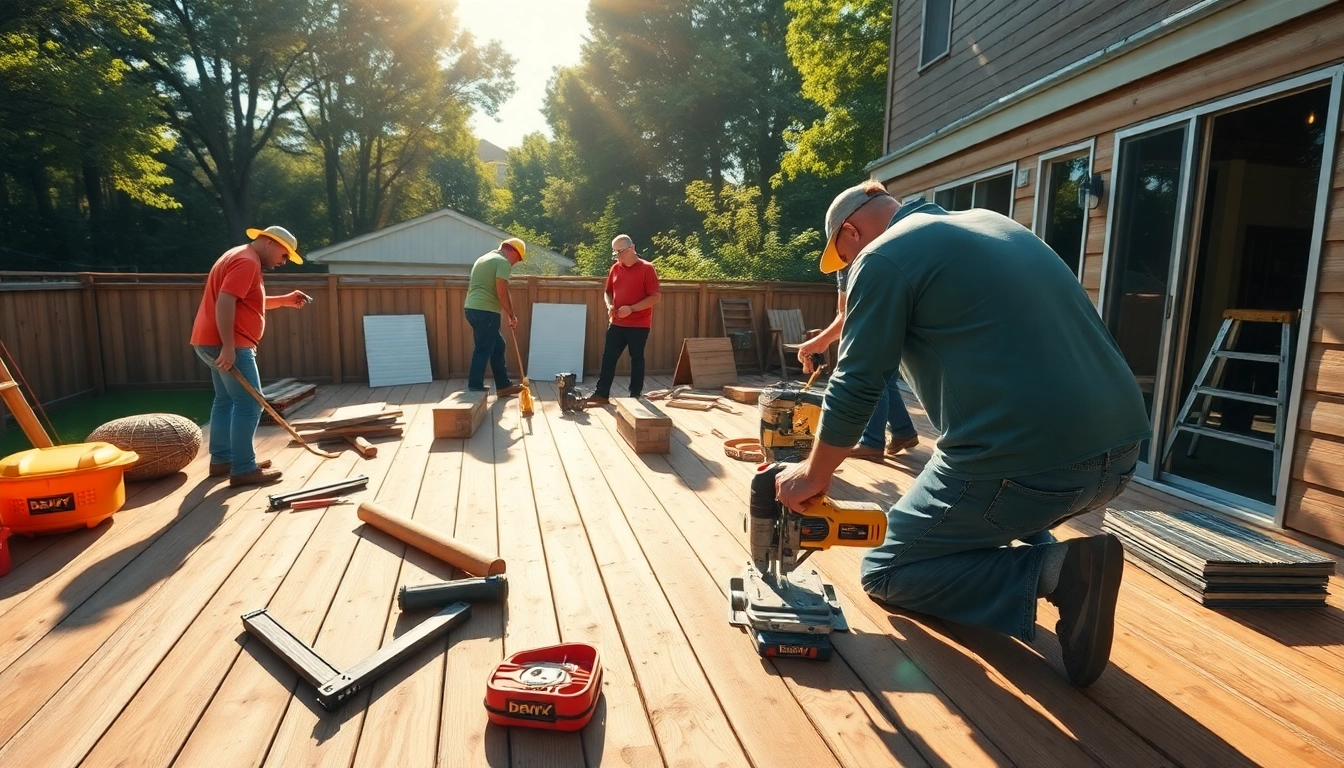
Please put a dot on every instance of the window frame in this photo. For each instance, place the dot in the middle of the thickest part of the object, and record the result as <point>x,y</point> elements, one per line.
<point>1009,169</point>
<point>1042,189</point>
<point>947,45</point>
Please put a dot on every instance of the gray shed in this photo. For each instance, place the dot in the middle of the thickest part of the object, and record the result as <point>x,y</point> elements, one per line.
<point>444,242</point>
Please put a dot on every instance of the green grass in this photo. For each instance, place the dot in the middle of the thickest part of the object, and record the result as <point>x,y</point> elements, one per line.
<point>74,422</point>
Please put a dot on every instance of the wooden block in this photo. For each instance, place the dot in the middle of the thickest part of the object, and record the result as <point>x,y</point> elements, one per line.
<point>691,405</point>
<point>644,427</point>
<point>748,395</point>
<point>459,414</point>
<point>706,363</point>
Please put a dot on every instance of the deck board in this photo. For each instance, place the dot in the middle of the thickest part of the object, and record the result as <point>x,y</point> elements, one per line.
<point>124,646</point>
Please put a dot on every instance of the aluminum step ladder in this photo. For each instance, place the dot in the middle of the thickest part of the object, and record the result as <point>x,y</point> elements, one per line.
<point>1208,386</point>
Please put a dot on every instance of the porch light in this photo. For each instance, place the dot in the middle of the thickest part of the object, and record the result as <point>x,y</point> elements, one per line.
<point>1090,192</point>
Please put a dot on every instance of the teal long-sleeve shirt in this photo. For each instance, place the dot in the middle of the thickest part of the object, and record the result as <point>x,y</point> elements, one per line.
<point>995,336</point>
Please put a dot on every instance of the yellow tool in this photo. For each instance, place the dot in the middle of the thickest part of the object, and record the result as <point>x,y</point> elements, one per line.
<point>792,612</point>
<point>524,397</point>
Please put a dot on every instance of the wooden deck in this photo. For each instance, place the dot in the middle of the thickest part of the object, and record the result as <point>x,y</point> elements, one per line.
<point>122,645</point>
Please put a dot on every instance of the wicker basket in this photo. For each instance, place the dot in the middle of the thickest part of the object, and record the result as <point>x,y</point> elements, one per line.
<point>166,442</point>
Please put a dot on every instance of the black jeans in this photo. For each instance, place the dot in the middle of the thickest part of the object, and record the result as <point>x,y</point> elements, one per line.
<point>618,338</point>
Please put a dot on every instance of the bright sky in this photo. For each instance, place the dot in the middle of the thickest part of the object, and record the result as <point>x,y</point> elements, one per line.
<point>541,35</point>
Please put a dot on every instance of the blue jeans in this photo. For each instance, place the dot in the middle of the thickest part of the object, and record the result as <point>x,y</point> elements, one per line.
<point>235,414</point>
<point>489,348</point>
<point>947,549</point>
<point>890,410</point>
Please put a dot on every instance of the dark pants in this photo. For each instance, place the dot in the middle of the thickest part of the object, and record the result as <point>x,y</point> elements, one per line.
<point>947,549</point>
<point>618,338</point>
<point>489,348</point>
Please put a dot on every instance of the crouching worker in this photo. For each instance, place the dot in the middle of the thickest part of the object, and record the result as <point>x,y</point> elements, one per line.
<point>228,327</point>
<point>1039,415</point>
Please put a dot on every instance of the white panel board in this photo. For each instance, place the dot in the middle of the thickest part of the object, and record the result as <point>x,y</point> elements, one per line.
<point>397,349</point>
<point>556,345</point>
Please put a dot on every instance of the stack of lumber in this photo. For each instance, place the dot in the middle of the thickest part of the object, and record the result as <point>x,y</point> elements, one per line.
<point>1219,563</point>
<point>366,420</point>
<point>284,396</point>
<point>685,397</point>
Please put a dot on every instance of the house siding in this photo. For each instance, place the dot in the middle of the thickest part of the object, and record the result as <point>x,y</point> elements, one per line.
<point>997,48</point>
<point>1315,492</point>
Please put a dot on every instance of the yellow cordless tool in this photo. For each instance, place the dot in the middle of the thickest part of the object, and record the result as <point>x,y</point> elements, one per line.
<point>792,612</point>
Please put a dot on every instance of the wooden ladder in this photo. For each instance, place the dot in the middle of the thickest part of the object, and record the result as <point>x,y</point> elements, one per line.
<point>739,322</point>
<point>1208,385</point>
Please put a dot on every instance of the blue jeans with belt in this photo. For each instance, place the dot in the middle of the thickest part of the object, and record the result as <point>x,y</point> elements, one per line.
<point>948,549</point>
<point>489,349</point>
<point>235,413</point>
<point>891,411</point>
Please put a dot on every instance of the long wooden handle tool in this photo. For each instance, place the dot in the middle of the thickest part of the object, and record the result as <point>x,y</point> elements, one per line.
<point>278,420</point>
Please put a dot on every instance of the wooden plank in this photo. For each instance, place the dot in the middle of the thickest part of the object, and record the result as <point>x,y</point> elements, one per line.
<point>70,722</point>
<point>401,725</point>
<point>742,394</point>
<point>478,645</point>
<point>776,735</point>
<point>687,717</point>
<point>459,414</point>
<point>706,363</point>
<point>350,415</point>
<point>1315,510</point>
<point>355,626</point>
<point>581,605</point>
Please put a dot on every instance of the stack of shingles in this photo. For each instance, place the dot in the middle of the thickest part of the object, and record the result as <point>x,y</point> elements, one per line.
<point>354,424</point>
<point>285,395</point>
<point>1218,562</point>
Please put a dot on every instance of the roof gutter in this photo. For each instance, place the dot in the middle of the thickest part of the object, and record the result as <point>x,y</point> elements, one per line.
<point>1203,27</point>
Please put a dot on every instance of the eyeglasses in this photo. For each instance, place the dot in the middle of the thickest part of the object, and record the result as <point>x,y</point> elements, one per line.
<point>614,254</point>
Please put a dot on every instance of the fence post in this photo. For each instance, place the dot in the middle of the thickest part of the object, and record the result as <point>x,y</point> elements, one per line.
<point>441,311</point>
<point>703,325</point>
<point>334,326</point>
<point>92,337</point>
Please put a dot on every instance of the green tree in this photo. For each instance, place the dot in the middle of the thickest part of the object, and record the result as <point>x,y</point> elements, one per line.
<point>841,49</point>
<point>392,85</point>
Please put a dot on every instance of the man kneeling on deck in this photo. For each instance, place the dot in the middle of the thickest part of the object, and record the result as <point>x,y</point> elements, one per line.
<point>1039,415</point>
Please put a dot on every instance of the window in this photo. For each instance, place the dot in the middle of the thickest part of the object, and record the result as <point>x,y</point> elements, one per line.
<point>992,190</point>
<point>936,36</point>
<point>1062,219</point>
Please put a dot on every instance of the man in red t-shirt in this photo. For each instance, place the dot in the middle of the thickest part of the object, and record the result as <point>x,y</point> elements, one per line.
<point>228,326</point>
<point>631,292</point>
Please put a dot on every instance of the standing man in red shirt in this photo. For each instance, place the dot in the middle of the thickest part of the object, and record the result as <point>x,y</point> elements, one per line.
<point>229,324</point>
<point>631,292</point>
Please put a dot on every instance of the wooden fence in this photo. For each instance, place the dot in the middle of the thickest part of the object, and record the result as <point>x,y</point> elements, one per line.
<point>79,334</point>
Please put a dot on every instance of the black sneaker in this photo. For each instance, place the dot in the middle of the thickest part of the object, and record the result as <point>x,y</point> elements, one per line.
<point>1089,585</point>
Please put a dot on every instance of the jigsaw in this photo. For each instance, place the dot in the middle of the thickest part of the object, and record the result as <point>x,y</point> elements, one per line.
<point>572,399</point>
<point>791,612</point>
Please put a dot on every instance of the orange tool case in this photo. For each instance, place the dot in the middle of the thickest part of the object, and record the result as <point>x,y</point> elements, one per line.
<point>555,688</point>
<point>62,488</point>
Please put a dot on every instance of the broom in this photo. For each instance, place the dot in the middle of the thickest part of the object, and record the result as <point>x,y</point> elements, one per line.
<point>524,397</point>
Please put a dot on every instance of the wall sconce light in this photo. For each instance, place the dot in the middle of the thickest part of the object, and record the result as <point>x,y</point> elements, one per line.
<point>1090,192</point>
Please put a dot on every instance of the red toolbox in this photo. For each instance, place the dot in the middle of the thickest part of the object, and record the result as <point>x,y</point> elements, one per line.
<point>555,688</point>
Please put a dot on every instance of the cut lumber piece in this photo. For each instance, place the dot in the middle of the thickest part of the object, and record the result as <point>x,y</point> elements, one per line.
<point>357,429</point>
<point>344,432</point>
<point>459,414</point>
<point>363,447</point>
<point>644,427</point>
<point>748,395</point>
<point>276,387</point>
<point>698,396</point>
<point>690,405</point>
<point>349,416</point>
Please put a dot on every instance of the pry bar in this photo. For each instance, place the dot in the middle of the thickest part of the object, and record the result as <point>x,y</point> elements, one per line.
<point>334,686</point>
<point>282,500</point>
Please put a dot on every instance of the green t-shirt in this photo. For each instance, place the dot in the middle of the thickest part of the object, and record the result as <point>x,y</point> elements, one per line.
<point>994,334</point>
<point>481,288</point>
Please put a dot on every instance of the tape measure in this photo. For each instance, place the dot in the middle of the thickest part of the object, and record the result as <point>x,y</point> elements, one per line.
<point>555,688</point>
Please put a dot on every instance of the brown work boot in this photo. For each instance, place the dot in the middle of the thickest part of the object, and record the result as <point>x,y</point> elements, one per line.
<point>595,400</point>
<point>867,452</point>
<point>1089,585</point>
<point>222,468</point>
<point>512,389</point>
<point>257,476</point>
<point>896,447</point>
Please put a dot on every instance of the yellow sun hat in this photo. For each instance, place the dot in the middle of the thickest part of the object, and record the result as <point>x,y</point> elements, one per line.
<point>281,236</point>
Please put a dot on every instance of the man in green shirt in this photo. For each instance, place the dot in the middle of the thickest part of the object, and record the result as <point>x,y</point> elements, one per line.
<point>486,307</point>
<point>1040,418</point>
